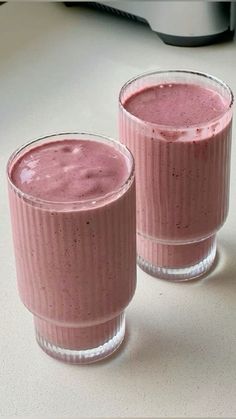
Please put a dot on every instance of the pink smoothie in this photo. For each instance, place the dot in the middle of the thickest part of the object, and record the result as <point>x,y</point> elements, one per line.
<point>70,170</point>
<point>176,105</point>
<point>181,143</point>
<point>75,253</point>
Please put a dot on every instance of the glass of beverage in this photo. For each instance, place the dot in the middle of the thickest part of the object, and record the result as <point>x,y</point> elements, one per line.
<point>177,124</point>
<point>72,202</point>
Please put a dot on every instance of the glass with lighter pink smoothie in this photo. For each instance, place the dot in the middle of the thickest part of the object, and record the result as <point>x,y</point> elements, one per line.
<point>72,201</point>
<point>177,124</point>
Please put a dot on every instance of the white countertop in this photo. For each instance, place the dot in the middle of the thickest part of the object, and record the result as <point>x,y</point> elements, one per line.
<point>61,69</point>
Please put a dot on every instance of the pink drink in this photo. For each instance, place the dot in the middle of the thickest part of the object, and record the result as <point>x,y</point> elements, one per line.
<point>72,200</point>
<point>178,126</point>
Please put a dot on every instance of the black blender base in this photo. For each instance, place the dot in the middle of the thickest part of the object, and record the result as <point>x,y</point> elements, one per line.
<point>196,41</point>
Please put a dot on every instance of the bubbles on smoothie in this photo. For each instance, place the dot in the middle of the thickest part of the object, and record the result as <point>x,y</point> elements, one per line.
<point>26,175</point>
<point>32,163</point>
<point>76,150</point>
<point>67,168</point>
<point>73,149</point>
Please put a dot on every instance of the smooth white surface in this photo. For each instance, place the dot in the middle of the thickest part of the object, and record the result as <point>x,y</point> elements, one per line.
<point>61,69</point>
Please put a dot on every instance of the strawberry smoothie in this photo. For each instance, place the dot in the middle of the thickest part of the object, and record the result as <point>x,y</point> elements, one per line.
<point>178,126</point>
<point>72,201</point>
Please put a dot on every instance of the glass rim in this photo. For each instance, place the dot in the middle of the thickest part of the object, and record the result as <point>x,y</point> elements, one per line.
<point>80,203</point>
<point>178,71</point>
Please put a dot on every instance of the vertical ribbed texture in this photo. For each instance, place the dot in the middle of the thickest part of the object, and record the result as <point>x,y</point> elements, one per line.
<point>76,269</point>
<point>111,332</point>
<point>172,256</point>
<point>79,338</point>
<point>182,180</point>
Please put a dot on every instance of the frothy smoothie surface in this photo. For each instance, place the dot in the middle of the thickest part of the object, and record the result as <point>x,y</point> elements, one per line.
<point>70,170</point>
<point>176,104</point>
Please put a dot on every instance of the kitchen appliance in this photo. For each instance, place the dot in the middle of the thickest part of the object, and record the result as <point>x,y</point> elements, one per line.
<point>180,23</point>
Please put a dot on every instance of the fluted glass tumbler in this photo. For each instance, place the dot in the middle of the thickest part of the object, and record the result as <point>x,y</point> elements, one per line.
<point>182,167</point>
<point>75,260</point>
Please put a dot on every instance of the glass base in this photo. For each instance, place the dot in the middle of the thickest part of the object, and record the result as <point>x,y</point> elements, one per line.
<point>85,356</point>
<point>181,273</point>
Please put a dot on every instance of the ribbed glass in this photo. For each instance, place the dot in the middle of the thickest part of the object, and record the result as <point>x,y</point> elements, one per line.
<point>76,263</point>
<point>182,177</point>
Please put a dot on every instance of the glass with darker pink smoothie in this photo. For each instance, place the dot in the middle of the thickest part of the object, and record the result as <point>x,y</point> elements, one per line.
<point>72,201</point>
<point>177,124</point>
